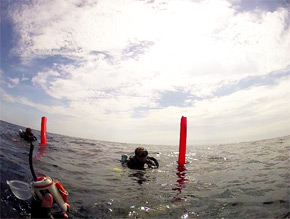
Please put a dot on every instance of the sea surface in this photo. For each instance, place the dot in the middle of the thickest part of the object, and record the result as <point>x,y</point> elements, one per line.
<point>241,180</point>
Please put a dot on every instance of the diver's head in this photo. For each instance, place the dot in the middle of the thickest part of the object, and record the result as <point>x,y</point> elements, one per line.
<point>28,130</point>
<point>141,153</point>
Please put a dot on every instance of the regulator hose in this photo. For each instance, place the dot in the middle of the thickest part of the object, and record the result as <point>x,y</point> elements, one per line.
<point>30,161</point>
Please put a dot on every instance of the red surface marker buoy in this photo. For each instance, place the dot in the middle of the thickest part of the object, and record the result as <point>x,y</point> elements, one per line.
<point>182,140</point>
<point>43,130</point>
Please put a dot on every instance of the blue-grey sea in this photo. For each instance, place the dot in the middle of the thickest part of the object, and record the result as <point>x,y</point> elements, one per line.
<point>241,180</point>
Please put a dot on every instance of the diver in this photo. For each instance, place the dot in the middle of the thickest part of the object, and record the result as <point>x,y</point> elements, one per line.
<point>141,160</point>
<point>27,135</point>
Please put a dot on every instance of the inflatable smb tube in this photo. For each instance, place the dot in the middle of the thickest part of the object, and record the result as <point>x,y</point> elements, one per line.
<point>182,141</point>
<point>43,130</point>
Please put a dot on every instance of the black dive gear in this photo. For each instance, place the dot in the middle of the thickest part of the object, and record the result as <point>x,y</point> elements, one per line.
<point>135,163</point>
<point>27,136</point>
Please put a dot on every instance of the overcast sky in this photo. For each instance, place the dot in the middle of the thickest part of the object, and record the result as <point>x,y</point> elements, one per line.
<point>127,70</point>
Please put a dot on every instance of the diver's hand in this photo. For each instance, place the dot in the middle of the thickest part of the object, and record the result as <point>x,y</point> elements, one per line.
<point>42,209</point>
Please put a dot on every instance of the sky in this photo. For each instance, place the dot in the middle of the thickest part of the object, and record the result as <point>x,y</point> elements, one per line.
<point>128,70</point>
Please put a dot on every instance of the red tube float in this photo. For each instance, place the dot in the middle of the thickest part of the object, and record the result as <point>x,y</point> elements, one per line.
<point>43,130</point>
<point>182,140</point>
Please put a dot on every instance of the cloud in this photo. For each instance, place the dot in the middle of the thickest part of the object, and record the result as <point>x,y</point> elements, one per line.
<point>1,76</point>
<point>24,78</point>
<point>144,62</point>
<point>241,113</point>
<point>8,81</point>
<point>42,77</point>
<point>71,29</point>
<point>44,108</point>
<point>12,82</point>
<point>221,119</point>
<point>183,42</point>
<point>6,96</point>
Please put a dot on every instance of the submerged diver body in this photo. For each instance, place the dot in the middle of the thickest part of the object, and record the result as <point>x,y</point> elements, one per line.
<point>141,160</point>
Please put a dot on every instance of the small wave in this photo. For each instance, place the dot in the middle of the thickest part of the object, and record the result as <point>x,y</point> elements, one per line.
<point>82,143</point>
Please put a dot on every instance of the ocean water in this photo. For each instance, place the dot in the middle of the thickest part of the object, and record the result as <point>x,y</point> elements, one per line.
<point>242,180</point>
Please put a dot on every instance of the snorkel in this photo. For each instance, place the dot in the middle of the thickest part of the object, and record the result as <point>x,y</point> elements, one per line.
<point>45,184</point>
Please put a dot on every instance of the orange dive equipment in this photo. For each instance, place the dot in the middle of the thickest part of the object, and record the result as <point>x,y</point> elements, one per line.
<point>45,184</point>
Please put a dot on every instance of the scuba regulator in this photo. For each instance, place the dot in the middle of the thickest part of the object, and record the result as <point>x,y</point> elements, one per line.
<point>45,184</point>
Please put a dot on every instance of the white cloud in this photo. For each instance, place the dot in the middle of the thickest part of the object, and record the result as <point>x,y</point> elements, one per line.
<point>42,77</point>
<point>1,77</point>
<point>241,115</point>
<point>127,52</point>
<point>244,113</point>
<point>192,43</point>
<point>44,108</point>
<point>12,82</point>
<point>6,96</point>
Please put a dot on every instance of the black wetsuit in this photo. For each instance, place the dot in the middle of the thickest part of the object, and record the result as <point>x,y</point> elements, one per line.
<point>134,163</point>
